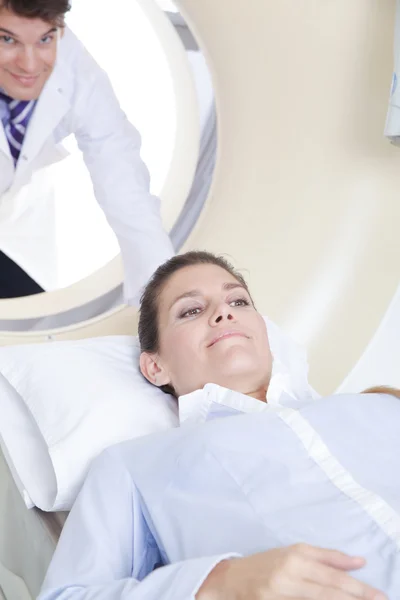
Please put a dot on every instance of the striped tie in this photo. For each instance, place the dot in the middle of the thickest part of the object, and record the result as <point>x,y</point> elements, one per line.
<point>20,113</point>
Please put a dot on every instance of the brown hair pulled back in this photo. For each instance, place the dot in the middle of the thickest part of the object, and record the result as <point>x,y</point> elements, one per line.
<point>149,337</point>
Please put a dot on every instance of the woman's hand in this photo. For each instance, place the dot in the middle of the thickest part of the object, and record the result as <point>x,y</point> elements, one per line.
<point>298,572</point>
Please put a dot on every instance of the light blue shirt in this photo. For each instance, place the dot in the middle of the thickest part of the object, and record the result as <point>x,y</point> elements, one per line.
<point>4,112</point>
<point>324,472</point>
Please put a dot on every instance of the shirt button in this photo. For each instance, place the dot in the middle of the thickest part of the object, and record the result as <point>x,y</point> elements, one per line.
<point>24,157</point>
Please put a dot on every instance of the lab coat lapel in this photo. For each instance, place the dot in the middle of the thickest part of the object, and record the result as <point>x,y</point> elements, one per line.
<point>4,147</point>
<point>50,109</point>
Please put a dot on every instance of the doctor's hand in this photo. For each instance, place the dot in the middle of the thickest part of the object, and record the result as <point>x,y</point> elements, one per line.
<point>299,572</point>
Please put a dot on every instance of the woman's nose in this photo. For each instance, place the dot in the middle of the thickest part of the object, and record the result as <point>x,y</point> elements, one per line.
<point>222,312</point>
<point>220,317</point>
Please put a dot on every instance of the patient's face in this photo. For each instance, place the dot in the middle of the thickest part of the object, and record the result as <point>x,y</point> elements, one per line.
<point>210,332</point>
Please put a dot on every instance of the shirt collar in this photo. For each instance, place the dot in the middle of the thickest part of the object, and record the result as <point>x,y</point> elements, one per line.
<point>201,405</point>
<point>196,406</point>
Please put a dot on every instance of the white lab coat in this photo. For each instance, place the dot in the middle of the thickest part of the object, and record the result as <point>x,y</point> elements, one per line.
<point>78,99</point>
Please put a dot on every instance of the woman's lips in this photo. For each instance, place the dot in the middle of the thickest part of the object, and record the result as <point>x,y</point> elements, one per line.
<point>225,335</point>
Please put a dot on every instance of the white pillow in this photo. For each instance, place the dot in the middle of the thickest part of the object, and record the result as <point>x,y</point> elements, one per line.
<point>62,403</point>
<point>22,442</point>
<point>70,401</point>
<point>290,367</point>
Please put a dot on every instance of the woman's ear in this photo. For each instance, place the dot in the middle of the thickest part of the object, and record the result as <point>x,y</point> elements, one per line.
<point>151,368</point>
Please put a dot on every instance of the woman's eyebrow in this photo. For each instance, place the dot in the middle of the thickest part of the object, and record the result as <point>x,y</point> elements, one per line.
<point>232,286</point>
<point>190,294</point>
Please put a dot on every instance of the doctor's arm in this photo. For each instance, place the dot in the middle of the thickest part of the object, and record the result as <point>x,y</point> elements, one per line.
<point>111,151</point>
<point>106,551</point>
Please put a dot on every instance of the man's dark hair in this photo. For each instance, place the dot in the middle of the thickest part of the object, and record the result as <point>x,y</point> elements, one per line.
<point>51,11</point>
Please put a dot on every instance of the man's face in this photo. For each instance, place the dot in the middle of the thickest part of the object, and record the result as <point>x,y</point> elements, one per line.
<point>28,49</point>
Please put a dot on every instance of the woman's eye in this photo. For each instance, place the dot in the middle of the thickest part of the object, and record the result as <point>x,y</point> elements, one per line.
<point>191,312</point>
<point>47,39</point>
<point>240,302</point>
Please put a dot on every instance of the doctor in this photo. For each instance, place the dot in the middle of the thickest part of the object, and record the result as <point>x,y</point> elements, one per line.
<point>50,87</point>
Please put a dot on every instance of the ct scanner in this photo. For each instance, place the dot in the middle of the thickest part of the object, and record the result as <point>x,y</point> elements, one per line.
<point>305,191</point>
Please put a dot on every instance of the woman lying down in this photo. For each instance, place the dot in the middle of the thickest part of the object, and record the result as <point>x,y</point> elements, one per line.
<point>291,500</point>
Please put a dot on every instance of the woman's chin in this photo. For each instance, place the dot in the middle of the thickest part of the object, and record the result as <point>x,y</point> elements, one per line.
<point>238,368</point>
<point>237,356</point>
